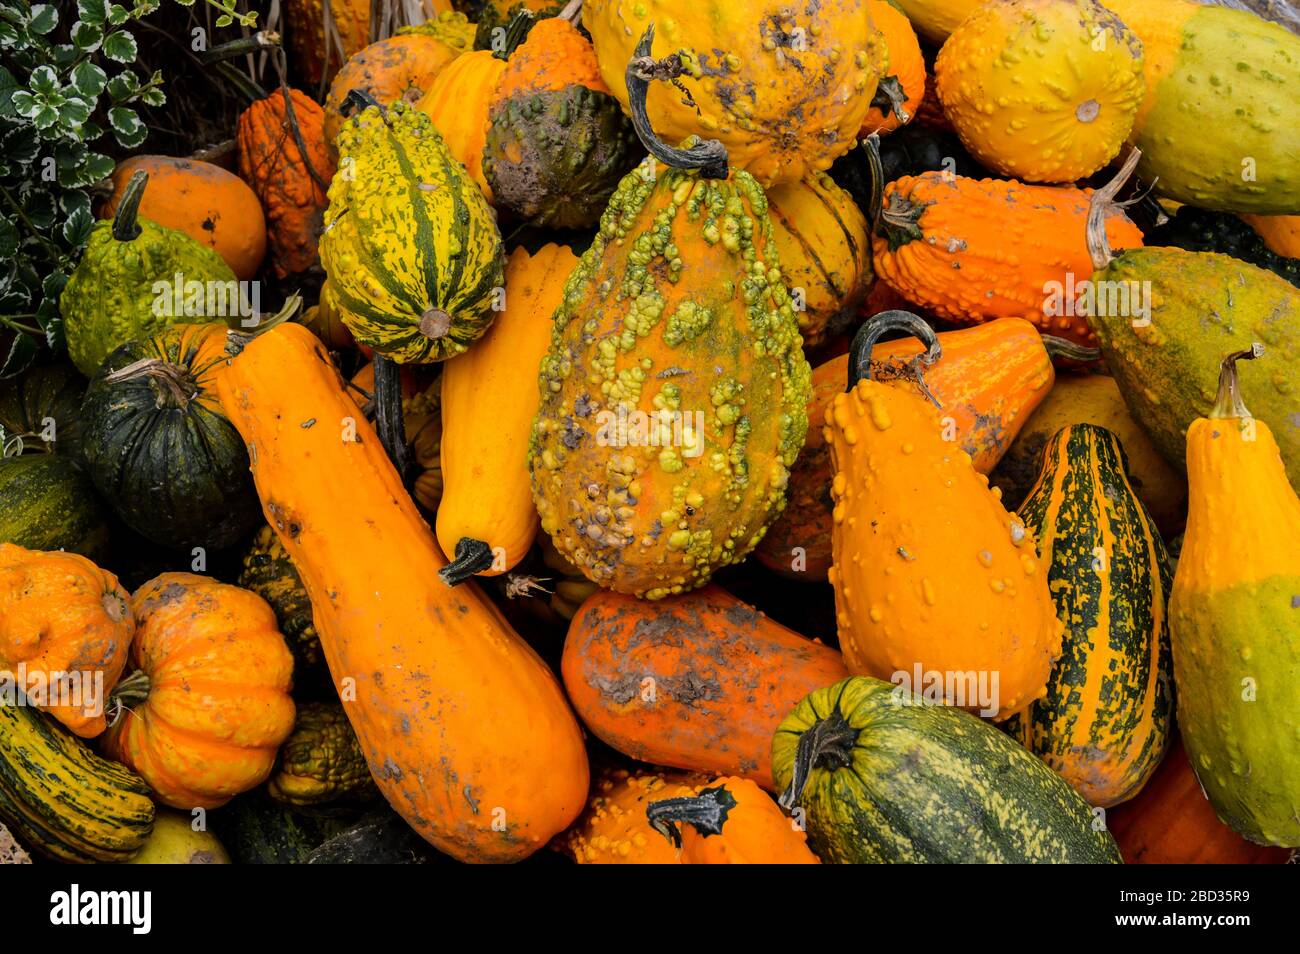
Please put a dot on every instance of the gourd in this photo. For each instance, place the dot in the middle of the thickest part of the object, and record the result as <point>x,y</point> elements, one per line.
<point>65,629</point>
<point>900,92</point>
<point>825,251</point>
<point>486,519</point>
<point>1200,230</point>
<point>422,424</point>
<point>557,142</point>
<point>503,729</point>
<point>1042,90</point>
<point>989,380</point>
<point>326,322</point>
<point>62,800</point>
<point>1109,709</point>
<point>1171,822</point>
<point>1281,233</point>
<point>1199,307</point>
<point>1233,620</point>
<point>110,297</point>
<point>214,207</point>
<point>731,822</point>
<point>411,249</point>
<point>256,830</point>
<point>880,781</point>
<point>931,574</point>
<point>908,151</point>
<point>1255,166</point>
<point>286,162</point>
<point>267,571</point>
<point>323,34</point>
<point>199,749</point>
<point>48,503</point>
<point>935,20</point>
<point>158,444</point>
<point>1094,399</point>
<point>321,762</point>
<point>175,842</point>
<point>673,394</point>
<point>381,838</point>
<point>698,681</point>
<point>614,830</point>
<point>41,408</point>
<point>784,88</point>
<point>458,102</point>
<point>973,250</point>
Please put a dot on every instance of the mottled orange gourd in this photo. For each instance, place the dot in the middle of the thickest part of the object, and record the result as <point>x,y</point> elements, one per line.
<point>209,706</point>
<point>60,616</point>
<point>730,822</point>
<point>554,55</point>
<point>614,829</point>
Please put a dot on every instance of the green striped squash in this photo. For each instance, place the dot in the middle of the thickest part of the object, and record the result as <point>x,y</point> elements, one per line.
<point>1105,721</point>
<point>47,503</point>
<point>882,777</point>
<point>410,245</point>
<point>42,407</point>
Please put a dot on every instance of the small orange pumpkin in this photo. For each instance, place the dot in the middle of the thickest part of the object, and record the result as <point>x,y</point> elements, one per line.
<point>209,707</point>
<point>731,822</point>
<point>68,624</point>
<point>614,830</point>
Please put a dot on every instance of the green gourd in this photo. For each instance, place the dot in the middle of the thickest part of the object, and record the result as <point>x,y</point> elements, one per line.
<point>47,503</point>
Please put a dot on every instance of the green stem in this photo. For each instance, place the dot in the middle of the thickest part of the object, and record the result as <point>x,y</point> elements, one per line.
<point>829,742</point>
<point>864,343</point>
<point>706,813</point>
<point>125,226</point>
<point>1067,350</point>
<point>472,556</point>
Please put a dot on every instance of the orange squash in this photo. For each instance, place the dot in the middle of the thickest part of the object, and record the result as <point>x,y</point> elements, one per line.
<point>931,574</point>
<point>900,93</point>
<point>465,729</point>
<point>698,681</point>
<point>68,625</point>
<point>459,101</point>
<point>614,830</point>
<point>486,517</point>
<point>322,34</point>
<point>271,161</point>
<point>1281,233</point>
<point>989,380</point>
<point>209,706</point>
<point>730,822</point>
<point>970,250</point>
<point>214,207</point>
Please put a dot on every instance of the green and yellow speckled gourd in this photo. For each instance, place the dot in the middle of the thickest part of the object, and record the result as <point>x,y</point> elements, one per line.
<point>1041,90</point>
<point>1230,71</point>
<point>269,572</point>
<point>1202,305</point>
<point>674,392</point>
<point>880,780</point>
<point>109,299</point>
<point>1235,621</point>
<point>784,87</point>
<point>322,761</point>
<point>1105,722</point>
<point>410,246</point>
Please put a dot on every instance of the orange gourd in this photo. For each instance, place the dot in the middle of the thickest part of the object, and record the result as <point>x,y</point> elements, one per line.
<point>989,380</point>
<point>970,250</point>
<point>931,574</point>
<point>698,681</point>
<point>214,207</point>
<point>900,93</point>
<point>614,830</point>
<point>322,35</point>
<point>271,161</point>
<point>486,517</point>
<point>421,422</point>
<point>326,322</point>
<point>209,706</point>
<point>730,822</point>
<point>466,731</point>
<point>1281,233</point>
<point>459,102</point>
<point>65,630</point>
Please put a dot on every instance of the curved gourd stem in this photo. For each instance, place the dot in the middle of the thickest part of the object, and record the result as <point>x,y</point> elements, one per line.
<point>173,383</point>
<point>129,693</point>
<point>706,812</point>
<point>1228,403</point>
<point>472,556</point>
<point>517,31</point>
<point>829,742</point>
<point>236,338</point>
<point>258,42</point>
<point>876,168</point>
<point>125,226</point>
<point>871,332</point>
<point>1066,350</point>
<point>388,413</point>
<point>709,156</point>
<point>1099,205</point>
<point>891,97</point>
<point>359,99</point>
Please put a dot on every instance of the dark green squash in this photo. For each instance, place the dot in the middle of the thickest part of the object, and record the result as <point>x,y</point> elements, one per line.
<point>159,447</point>
<point>321,763</point>
<point>259,831</point>
<point>383,838</point>
<point>1105,722</point>
<point>883,777</point>
<point>48,503</point>
<point>44,401</point>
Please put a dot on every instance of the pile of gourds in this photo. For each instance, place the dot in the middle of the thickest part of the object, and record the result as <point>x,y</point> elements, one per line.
<point>939,330</point>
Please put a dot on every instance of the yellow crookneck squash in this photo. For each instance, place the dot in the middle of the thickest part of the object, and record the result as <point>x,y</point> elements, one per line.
<point>931,574</point>
<point>1235,620</point>
<point>673,396</point>
<point>785,88</point>
<point>466,731</point>
<point>730,822</point>
<point>486,518</point>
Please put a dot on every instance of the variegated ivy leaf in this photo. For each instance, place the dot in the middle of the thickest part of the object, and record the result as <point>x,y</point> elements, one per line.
<point>120,46</point>
<point>88,79</point>
<point>87,36</point>
<point>44,81</point>
<point>123,86</point>
<point>92,11</point>
<point>126,125</point>
<point>44,18</point>
<point>117,14</point>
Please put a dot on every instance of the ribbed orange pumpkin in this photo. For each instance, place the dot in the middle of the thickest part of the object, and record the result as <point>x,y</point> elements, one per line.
<point>210,706</point>
<point>905,75</point>
<point>614,830</point>
<point>459,101</point>
<point>214,207</point>
<point>272,163</point>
